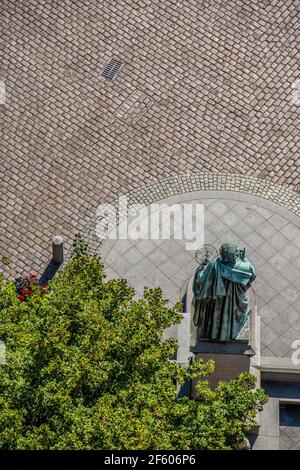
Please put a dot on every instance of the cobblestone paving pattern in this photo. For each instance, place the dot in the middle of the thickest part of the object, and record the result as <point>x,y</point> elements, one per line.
<point>217,77</point>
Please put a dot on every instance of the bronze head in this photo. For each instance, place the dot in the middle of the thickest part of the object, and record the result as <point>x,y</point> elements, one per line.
<point>229,253</point>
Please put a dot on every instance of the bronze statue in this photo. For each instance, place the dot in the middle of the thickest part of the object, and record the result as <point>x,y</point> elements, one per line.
<point>220,294</point>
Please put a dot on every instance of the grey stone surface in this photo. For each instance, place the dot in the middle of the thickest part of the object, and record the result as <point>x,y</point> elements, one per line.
<point>270,419</point>
<point>268,435</point>
<point>265,443</point>
<point>168,265</point>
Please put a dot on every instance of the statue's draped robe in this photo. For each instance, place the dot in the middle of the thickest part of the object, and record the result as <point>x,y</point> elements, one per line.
<point>221,301</point>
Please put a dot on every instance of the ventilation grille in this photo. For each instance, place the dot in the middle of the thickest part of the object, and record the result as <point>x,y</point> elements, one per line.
<point>111,69</point>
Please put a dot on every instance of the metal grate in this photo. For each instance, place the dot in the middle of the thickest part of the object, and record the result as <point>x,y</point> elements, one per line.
<point>111,69</point>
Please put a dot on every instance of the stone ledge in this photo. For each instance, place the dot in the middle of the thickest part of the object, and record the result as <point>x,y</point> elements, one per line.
<point>279,369</point>
<point>279,365</point>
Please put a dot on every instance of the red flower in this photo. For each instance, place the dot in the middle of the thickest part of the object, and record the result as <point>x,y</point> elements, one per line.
<point>44,286</point>
<point>22,297</point>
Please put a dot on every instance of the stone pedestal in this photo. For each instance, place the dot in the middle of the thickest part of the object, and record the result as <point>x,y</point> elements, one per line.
<point>227,366</point>
<point>231,357</point>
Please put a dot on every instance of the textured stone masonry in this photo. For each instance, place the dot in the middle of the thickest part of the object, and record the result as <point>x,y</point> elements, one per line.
<point>220,74</point>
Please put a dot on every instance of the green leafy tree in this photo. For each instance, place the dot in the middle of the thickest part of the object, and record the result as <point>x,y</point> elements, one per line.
<point>86,368</point>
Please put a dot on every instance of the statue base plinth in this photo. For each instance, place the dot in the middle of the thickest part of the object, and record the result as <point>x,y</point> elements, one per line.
<point>227,366</point>
<point>222,347</point>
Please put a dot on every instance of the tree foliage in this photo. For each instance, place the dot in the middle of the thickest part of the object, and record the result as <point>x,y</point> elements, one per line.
<point>86,368</point>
